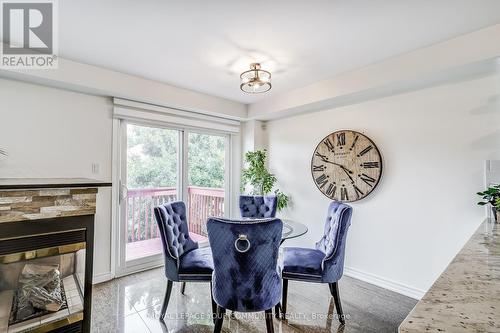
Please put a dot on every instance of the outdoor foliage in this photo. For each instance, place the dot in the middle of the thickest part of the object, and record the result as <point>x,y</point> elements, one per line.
<point>153,158</point>
<point>260,179</point>
<point>206,156</point>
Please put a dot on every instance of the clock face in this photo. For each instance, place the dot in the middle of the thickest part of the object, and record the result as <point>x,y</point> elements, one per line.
<point>346,166</point>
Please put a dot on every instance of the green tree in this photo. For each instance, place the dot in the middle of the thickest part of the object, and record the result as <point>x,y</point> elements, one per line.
<point>206,156</point>
<point>152,158</point>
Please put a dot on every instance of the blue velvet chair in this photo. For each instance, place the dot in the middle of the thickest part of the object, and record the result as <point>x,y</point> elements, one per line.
<point>258,206</point>
<point>325,264</point>
<point>246,277</point>
<point>184,260</point>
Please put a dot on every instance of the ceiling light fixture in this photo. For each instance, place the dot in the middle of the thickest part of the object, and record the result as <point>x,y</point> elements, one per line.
<point>255,80</point>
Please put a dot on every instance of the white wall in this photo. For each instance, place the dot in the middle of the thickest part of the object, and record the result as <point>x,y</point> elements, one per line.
<point>55,133</point>
<point>434,143</point>
<point>105,82</point>
<point>49,132</point>
<point>254,135</point>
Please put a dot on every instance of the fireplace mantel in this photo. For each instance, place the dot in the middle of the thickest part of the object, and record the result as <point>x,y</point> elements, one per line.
<point>23,199</point>
<point>31,183</point>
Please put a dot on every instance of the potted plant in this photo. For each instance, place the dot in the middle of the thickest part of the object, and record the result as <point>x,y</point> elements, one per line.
<point>491,196</point>
<point>261,180</point>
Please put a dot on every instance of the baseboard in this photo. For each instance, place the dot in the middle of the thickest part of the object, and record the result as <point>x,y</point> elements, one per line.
<point>103,277</point>
<point>384,283</point>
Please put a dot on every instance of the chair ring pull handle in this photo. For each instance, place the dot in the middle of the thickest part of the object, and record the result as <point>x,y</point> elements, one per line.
<point>242,238</point>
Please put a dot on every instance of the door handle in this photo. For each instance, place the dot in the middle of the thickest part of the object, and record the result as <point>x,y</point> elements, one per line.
<point>123,192</point>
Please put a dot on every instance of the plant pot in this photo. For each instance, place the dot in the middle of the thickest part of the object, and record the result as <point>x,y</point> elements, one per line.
<point>496,214</point>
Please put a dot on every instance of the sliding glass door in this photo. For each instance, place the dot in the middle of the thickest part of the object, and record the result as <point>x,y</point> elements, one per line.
<point>152,178</point>
<point>206,174</point>
<point>159,165</point>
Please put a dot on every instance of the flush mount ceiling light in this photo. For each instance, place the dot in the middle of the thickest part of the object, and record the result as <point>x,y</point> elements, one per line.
<point>255,80</point>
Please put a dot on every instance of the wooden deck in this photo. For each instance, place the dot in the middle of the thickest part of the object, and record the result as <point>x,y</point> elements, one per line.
<point>149,247</point>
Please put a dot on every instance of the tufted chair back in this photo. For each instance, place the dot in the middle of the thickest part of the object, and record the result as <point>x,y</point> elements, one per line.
<point>245,253</point>
<point>174,234</point>
<point>333,241</point>
<point>258,206</point>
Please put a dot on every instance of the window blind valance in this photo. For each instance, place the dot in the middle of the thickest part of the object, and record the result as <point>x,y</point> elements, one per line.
<point>137,111</point>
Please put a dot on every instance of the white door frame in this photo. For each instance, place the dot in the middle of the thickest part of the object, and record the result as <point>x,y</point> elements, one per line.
<point>118,265</point>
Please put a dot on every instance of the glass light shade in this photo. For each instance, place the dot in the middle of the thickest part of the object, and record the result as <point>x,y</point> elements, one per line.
<point>255,80</point>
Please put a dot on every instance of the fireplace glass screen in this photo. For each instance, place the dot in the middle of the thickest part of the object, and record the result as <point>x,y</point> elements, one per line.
<point>42,288</point>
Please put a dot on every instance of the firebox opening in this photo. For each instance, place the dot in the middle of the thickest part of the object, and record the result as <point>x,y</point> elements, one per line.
<point>41,291</point>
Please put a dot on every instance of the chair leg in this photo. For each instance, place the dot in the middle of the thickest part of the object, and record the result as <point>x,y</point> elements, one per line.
<point>284,298</point>
<point>277,310</point>
<point>334,288</point>
<point>330,286</point>
<point>269,320</point>
<point>183,287</point>
<point>166,299</point>
<point>219,319</point>
<point>214,306</point>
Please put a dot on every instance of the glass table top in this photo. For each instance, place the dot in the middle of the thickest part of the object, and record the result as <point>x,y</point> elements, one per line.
<point>292,229</point>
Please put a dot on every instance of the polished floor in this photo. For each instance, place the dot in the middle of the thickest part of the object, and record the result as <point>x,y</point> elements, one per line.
<point>132,304</point>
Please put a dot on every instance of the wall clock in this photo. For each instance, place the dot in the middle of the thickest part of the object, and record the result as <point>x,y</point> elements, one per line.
<point>346,166</point>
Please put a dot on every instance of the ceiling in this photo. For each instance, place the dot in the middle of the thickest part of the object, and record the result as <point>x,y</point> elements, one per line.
<point>204,45</point>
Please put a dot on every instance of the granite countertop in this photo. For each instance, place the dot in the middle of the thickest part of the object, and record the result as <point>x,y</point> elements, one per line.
<point>29,183</point>
<point>466,297</point>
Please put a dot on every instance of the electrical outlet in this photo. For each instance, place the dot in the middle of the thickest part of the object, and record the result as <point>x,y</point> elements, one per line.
<point>95,168</point>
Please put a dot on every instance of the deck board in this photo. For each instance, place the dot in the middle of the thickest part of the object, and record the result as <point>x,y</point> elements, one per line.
<point>149,247</point>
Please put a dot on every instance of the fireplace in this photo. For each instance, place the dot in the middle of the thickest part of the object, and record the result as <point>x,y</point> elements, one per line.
<point>46,254</point>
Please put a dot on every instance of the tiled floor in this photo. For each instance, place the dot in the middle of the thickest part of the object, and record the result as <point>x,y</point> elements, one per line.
<point>132,304</point>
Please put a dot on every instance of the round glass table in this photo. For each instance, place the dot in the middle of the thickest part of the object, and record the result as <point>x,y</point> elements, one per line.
<point>292,229</point>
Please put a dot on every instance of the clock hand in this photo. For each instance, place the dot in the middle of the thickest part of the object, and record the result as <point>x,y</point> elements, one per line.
<point>340,165</point>
<point>347,171</point>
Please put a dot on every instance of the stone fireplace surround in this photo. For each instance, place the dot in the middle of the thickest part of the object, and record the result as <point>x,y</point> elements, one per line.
<point>44,218</point>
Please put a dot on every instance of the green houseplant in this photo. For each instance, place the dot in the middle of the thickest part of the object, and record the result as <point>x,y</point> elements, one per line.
<point>260,179</point>
<point>491,196</point>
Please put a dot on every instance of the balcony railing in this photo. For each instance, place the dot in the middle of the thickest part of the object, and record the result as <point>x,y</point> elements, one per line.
<point>202,203</point>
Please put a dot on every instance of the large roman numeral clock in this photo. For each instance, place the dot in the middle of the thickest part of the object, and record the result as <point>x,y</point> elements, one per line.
<point>346,166</point>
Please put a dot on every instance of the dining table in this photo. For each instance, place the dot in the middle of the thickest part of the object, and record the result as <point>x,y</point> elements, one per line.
<point>292,229</point>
